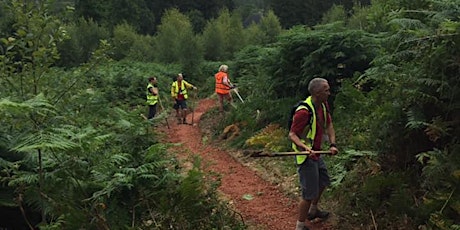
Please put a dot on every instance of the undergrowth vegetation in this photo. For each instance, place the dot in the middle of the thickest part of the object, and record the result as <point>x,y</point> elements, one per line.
<point>101,156</point>
<point>395,109</point>
<point>75,152</point>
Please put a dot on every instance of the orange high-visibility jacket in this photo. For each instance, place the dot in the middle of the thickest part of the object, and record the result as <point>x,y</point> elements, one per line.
<point>221,88</point>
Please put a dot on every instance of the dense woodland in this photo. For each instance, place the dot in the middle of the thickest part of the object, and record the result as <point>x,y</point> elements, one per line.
<point>75,154</point>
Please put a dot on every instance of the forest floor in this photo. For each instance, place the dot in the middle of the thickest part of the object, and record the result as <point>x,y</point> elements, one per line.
<point>270,207</point>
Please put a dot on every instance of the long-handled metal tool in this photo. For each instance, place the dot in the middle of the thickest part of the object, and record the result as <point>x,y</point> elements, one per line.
<point>163,109</point>
<point>194,105</point>
<point>192,109</point>
<point>261,153</point>
<point>238,94</point>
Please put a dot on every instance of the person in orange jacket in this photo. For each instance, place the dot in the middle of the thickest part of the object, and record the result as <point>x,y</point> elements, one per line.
<point>179,94</point>
<point>223,86</point>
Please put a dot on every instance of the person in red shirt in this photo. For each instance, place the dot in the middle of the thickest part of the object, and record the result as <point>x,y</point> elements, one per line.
<point>312,123</point>
<point>179,94</point>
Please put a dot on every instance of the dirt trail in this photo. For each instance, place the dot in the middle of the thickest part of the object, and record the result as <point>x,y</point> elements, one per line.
<point>269,209</point>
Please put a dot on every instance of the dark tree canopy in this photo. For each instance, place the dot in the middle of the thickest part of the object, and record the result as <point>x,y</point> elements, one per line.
<point>145,15</point>
<point>306,12</point>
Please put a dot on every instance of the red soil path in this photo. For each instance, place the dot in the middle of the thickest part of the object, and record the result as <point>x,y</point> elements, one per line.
<point>269,209</point>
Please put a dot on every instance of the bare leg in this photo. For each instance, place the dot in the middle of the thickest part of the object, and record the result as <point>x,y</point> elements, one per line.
<point>184,115</point>
<point>314,212</point>
<point>178,115</point>
<point>304,205</point>
<point>230,98</point>
<point>221,103</point>
<point>315,201</point>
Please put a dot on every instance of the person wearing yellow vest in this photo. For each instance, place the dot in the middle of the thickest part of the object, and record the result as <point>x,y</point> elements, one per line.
<point>223,86</point>
<point>152,97</point>
<point>179,94</point>
<point>310,123</point>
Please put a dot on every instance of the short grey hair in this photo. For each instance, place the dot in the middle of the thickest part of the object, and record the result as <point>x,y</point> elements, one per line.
<point>315,84</point>
<point>223,68</point>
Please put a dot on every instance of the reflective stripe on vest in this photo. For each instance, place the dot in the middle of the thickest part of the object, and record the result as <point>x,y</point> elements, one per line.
<point>221,88</point>
<point>309,138</point>
<point>151,99</point>
<point>175,89</point>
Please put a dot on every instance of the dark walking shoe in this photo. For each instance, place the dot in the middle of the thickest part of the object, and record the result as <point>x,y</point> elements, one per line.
<point>319,214</point>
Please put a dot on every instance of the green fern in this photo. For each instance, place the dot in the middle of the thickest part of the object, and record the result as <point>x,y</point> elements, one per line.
<point>24,178</point>
<point>44,141</point>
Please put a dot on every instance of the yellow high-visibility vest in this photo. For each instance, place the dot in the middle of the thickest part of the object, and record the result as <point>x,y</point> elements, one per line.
<point>183,88</point>
<point>151,99</point>
<point>310,130</point>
